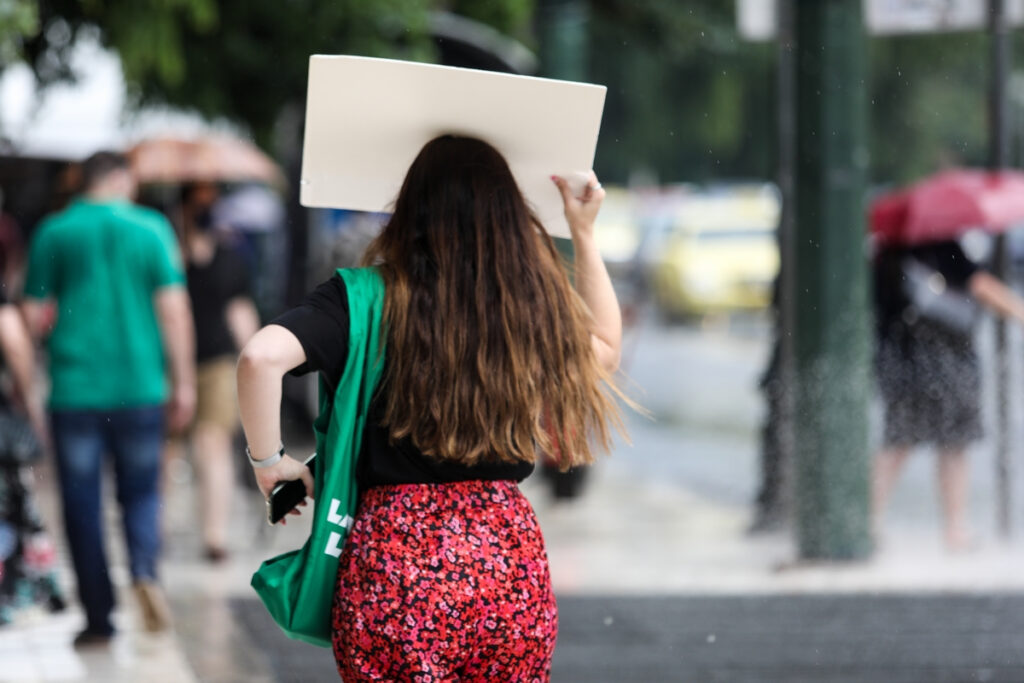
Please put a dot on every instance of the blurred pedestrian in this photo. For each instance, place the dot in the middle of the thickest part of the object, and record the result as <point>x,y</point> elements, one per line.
<point>444,575</point>
<point>28,557</point>
<point>926,300</point>
<point>12,251</point>
<point>225,318</point>
<point>770,505</point>
<point>113,272</point>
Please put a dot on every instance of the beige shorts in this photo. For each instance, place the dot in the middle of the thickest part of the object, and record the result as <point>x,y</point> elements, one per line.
<point>216,396</point>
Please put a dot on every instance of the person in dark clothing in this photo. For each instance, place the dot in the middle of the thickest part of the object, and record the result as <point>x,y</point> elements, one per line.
<point>225,317</point>
<point>770,505</point>
<point>926,300</point>
<point>770,512</point>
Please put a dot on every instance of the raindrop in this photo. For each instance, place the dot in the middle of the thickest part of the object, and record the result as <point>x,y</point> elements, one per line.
<point>711,638</point>
<point>608,621</point>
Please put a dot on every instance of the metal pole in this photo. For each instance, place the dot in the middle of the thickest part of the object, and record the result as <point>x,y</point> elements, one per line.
<point>562,30</point>
<point>998,154</point>
<point>831,342</point>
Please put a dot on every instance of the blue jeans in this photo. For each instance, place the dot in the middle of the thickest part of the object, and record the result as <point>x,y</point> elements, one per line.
<point>134,439</point>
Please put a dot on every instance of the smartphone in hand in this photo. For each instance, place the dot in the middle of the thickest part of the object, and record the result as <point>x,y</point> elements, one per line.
<point>286,495</point>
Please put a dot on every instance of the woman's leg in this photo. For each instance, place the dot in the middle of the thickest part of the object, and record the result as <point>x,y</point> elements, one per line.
<point>212,458</point>
<point>953,484</point>
<point>888,466</point>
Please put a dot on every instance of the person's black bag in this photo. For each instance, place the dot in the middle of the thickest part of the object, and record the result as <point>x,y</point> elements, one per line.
<point>19,444</point>
<point>935,301</point>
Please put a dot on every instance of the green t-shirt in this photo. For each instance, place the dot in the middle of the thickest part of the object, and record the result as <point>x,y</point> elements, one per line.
<point>102,262</point>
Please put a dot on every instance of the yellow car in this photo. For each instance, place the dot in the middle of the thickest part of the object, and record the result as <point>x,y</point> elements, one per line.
<point>719,253</point>
<point>616,230</point>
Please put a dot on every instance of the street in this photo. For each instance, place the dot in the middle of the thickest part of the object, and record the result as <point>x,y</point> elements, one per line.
<point>701,386</point>
<point>653,555</point>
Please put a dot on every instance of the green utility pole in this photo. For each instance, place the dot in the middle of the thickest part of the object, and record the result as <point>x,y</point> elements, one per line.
<point>562,30</point>
<point>831,349</point>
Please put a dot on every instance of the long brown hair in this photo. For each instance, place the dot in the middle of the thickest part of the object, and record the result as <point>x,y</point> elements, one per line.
<point>488,344</point>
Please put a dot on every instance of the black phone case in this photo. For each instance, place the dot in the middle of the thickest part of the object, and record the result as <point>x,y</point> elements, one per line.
<point>287,495</point>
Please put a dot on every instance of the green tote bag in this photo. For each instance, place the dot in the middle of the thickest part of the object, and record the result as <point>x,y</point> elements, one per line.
<point>298,586</point>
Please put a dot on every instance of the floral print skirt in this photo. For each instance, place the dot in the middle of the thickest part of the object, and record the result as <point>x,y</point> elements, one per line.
<point>442,582</point>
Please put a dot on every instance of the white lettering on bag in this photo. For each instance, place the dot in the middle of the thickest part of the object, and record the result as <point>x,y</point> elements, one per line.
<point>334,518</point>
<point>344,521</point>
<point>334,544</point>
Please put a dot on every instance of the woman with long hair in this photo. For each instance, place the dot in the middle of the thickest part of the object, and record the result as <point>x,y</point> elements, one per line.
<point>492,358</point>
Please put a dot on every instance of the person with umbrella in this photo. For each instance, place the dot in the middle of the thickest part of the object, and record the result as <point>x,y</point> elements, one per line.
<point>225,317</point>
<point>927,295</point>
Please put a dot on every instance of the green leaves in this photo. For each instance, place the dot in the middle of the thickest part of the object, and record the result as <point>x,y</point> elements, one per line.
<point>19,19</point>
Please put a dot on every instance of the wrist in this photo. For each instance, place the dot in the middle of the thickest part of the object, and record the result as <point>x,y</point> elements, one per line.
<point>263,460</point>
<point>582,235</point>
<point>585,247</point>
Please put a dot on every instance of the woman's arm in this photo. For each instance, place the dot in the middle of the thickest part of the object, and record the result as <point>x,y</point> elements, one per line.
<point>271,353</point>
<point>592,280</point>
<point>243,320</point>
<point>993,294</point>
<point>177,329</point>
<point>16,344</point>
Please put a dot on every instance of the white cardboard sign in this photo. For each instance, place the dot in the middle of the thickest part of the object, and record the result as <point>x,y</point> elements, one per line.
<point>367,119</point>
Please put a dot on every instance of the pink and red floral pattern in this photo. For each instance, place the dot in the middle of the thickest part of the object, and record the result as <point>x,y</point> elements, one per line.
<point>445,582</point>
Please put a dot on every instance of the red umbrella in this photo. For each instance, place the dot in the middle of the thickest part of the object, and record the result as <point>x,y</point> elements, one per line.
<point>947,204</point>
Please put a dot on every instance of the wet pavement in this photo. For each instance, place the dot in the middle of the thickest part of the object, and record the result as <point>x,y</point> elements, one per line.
<point>655,574</point>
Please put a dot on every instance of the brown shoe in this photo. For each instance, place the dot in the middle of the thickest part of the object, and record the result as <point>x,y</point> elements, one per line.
<point>216,554</point>
<point>156,613</point>
<point>89,638</point>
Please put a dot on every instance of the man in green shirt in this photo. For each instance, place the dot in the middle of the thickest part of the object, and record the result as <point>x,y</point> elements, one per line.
<point>105,281</point>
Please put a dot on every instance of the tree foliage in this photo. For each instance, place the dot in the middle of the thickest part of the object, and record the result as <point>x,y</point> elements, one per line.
<point>19,20</point>
<point>248,60</point>
<point>928,103</point>
<point>689,100</point>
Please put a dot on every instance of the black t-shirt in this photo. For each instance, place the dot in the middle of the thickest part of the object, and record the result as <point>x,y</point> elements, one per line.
<point>211,287</point>
<point>321,325</point>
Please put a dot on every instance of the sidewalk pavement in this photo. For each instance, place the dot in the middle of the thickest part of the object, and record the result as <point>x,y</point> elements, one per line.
<point>630,534</point>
